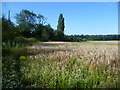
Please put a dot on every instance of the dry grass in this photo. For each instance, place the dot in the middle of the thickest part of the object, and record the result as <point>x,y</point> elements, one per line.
<point>105,41</point>
<point>64,51</point>
<point>61,57</point>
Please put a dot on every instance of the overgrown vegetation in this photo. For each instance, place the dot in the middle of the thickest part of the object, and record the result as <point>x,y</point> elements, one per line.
<point>30,25</point>
<point>68,66</point>
<point>51,65</point>
<point>11,53</point>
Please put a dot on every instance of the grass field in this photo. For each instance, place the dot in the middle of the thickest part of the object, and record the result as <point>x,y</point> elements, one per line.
<point>99,42</point>
<point>71,65</point>
<point>67,65</point>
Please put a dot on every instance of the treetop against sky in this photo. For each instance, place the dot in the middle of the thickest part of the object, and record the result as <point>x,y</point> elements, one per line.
<point>80,17</point>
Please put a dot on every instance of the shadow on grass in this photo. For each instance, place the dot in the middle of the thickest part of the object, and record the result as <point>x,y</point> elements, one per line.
<point>45,48</point>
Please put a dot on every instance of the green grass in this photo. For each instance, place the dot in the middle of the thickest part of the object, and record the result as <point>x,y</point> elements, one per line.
<point>50,73</point>
<point>11,68</point>
<point>11,51</point>
<point>73,74</point>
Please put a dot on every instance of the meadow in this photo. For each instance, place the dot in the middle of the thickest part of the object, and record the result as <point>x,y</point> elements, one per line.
<point>36,55</point>
<point>64,65</point>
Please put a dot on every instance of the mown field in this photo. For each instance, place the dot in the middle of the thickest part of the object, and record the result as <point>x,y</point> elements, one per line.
<point>69,65</point>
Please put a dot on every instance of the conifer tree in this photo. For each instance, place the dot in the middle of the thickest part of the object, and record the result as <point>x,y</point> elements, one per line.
<point>60,28</point>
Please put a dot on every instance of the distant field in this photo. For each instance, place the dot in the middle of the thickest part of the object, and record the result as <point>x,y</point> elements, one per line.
<point>98,42</point>
<point>104,41</point>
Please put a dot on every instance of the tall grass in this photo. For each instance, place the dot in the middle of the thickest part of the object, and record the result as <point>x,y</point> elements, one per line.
<point>75,75</point>
<point>61,66</point>
<point>82,67</point>
<point>11,53</point>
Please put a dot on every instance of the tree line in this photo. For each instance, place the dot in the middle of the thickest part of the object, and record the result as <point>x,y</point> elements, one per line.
<point>30,25</point>
<point>97,37</point>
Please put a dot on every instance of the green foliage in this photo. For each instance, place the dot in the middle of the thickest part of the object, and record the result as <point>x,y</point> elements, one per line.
<point>44,33</point>
<point>26,21</point>
<point>38,31</point>
<point>99,37</point>
<point>25,41</point>
<point>73,38</point>
<point>9,31</point>
<point>21,71</point>
<point>11,65</point>
<point>31,25</point>
<point>41,19</point>
<point>50,31</point>
<point>73,74</point>
<point>60,28</point>
<point>9,75</point>
<point>12,50</point>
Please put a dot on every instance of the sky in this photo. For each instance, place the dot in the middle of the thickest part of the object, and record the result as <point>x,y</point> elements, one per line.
<point>80,17</point>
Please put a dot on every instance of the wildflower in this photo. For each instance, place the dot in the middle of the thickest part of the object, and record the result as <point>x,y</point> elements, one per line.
<point>93,65</point>
<point>111,77</point>
<point>79,69</point>
<point>22,57</point>
<point>116,73</point>
<point>99,72</point>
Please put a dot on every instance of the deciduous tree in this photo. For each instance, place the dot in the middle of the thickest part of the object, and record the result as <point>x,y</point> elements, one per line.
<point>26,21</point>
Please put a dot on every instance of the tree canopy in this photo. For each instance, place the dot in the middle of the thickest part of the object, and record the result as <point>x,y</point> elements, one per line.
<point>26,21</point>
<point>31,25</point>
<point>60,28</point>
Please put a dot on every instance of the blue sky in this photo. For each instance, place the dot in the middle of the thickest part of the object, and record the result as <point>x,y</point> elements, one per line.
<point>80,17</point>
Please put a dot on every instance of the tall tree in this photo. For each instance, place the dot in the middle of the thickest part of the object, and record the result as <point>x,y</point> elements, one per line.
<point>26,21</point>
<point>50,31</point>
<point>8,30</point>
<point>60,28</point>
<point>41,19</point>
<point>38,31</point>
